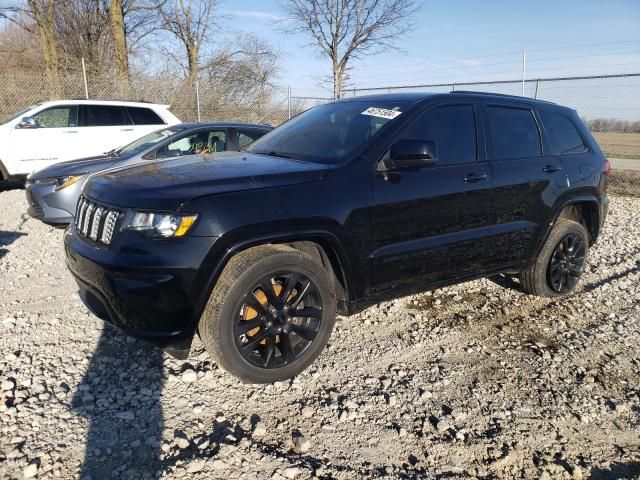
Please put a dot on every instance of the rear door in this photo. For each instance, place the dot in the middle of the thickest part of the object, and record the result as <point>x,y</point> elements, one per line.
<point>527,179</point>
<point>579,163</point>
<point>105,127</point>
<point>433,223</point>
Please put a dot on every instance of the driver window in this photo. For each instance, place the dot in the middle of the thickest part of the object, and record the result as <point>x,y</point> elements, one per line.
<point>196,143</point>
<point>57,117</point>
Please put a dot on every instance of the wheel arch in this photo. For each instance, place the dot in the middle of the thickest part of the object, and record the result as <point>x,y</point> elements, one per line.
<point>4,173</point>
<point>323,246</point>
<point>584,209</point>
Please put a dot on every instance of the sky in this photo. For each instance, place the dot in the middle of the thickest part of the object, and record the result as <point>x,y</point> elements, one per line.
<point>464,40</point>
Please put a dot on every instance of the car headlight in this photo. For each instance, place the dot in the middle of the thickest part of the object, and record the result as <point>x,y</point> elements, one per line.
<point>159,225</point>
<point>64,182</point>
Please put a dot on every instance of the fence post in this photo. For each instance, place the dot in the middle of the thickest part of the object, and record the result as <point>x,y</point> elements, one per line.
<point>198,98</point>
<point>84,75</point>
<point>535,94</point>
<point>289,101</point>
<point>453,87</point>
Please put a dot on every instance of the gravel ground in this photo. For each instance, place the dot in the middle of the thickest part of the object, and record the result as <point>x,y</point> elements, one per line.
<point>476,380</point>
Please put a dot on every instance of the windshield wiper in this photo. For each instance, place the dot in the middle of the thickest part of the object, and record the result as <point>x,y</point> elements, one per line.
<point>273,153</point>
<point>112,153</point>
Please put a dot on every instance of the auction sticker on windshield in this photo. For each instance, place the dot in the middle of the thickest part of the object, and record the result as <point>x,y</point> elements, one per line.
<point>381,112</point>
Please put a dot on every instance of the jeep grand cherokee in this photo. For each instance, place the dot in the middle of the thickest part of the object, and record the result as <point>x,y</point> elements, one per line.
<point>347,204</point>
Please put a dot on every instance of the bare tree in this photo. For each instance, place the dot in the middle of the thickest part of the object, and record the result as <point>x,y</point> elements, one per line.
<point>38,17</point>
<point>345,30</point>
<point>241,69</point>
<point>191,22</point>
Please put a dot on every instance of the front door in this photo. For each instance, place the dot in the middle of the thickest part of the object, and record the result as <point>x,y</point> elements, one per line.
<point>53,137</point>
<point>434,223</point>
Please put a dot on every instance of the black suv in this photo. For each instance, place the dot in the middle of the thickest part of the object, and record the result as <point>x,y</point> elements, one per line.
<point>347,204</point>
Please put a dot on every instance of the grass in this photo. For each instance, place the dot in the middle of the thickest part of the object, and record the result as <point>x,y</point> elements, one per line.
<point>619,145</point>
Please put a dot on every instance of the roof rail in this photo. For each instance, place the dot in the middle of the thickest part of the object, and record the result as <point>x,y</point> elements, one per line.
<point>505,95</point>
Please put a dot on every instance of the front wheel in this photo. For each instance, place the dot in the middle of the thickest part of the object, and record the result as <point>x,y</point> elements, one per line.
<point>559,265</point>
<point>270,314</point>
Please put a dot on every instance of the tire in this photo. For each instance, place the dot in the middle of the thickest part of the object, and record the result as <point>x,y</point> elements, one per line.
<point>557,268</point>
<point>239,301</point>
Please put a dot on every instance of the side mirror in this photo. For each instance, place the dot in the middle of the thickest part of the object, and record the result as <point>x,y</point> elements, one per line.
<point>27,122</point>
<point>412,154</point>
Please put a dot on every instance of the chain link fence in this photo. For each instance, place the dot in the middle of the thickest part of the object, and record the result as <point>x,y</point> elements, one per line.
<point>601,96</point>
<point>190,101</point>
<point>594,97</point>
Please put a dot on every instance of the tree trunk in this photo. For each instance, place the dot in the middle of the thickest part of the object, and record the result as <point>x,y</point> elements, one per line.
<point>192,58</point>
<point>116,15</point>
<point>45,21</point>
<point>338,80</point>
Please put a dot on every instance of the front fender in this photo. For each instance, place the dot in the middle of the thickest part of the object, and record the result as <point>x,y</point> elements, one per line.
<point>226,246</point>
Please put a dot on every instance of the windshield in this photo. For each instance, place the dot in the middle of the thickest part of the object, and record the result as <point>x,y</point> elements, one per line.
<point>328,133</point>
<point>13,116</point>
<point>147,141</point>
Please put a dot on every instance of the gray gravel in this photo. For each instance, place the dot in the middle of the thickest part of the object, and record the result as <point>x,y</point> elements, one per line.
<point>475,380</point>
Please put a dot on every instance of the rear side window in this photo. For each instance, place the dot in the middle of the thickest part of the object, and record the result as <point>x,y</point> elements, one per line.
<point>104,116</point>
<point>514,133</point>
<point>452,129</point>
<point>144,116</point>
<point>245,137</point>
<point>563,134</point>
<point>57,117</point>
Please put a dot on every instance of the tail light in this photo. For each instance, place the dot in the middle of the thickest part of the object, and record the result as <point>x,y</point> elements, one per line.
<point>607,167</point>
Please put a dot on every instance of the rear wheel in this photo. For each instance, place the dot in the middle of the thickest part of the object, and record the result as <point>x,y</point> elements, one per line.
<point>559,265</point>
<point>270,314</point>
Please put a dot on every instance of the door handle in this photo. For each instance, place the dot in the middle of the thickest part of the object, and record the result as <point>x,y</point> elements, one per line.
<point>475,177</point>
<point>551,168</point>
<point>71,131</point>
<point>126,129</point>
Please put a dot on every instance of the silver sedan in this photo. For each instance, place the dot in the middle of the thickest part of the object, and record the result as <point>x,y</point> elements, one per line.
<point>53,192</point>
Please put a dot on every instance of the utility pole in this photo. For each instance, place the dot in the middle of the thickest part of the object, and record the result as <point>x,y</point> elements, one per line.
<point>524,68</point>
<point>84,75</point>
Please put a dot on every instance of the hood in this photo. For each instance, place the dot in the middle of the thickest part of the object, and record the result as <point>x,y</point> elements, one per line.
<point>79,167</point>
<point>167,184</point>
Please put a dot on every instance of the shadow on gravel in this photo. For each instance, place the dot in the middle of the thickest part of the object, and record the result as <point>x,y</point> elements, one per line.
<point>616,276</point>
<point>616,471</point>
<point>506,281</point>
<point>7,238</point>
<point>10,185</point>
<point>120,395</point>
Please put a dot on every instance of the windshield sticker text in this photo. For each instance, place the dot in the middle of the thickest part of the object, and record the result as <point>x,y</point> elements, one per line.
<point>381,113</point>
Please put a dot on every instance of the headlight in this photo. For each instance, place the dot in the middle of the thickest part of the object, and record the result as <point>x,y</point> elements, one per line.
<point>159,225</point>
<point>64,182</point>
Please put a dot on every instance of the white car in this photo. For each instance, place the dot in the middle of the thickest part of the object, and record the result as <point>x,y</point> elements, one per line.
<point>61,130</point>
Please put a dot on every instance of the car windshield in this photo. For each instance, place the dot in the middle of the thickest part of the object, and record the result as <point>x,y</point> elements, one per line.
<point>328,133</point>
<point>13,116</point>
<point>146,141</point>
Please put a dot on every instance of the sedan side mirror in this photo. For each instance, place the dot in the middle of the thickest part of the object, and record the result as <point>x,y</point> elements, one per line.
<point>27,122</point>
<point>413,154</point>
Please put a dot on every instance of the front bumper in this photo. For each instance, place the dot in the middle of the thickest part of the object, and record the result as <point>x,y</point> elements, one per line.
<point>50,206</point>
<point>149,290</point>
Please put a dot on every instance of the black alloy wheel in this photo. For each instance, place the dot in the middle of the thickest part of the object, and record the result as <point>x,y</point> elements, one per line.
<point>278,319</point>
<point>566,263</point>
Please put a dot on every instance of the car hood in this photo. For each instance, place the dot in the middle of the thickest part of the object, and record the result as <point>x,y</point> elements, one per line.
<point>167,184</point>
<point>80,166</point>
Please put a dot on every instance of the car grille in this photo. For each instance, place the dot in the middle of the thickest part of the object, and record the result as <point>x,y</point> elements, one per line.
<point>35,210</point>
<point>96,222</point>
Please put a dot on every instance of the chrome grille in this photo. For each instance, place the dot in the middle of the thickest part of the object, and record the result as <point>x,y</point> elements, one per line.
<point>96,222</point>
